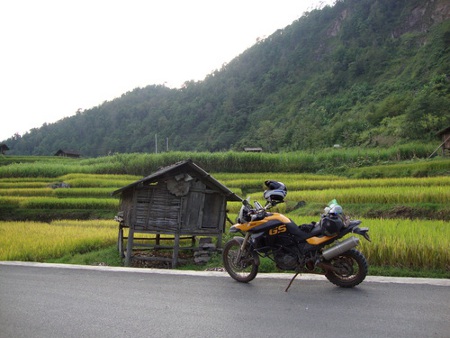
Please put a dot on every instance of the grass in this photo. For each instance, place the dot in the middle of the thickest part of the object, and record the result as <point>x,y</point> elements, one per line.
<point>106,256</point>
<point>324,161</point>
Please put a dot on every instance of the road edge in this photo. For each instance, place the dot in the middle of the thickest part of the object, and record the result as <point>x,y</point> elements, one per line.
<point>370,279</point>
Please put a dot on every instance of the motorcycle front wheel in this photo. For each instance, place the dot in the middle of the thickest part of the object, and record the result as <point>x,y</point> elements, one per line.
<point>352,269</point>
<point>244,269</point>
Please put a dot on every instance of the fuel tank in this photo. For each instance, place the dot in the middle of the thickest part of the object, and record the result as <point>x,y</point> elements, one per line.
<point>272,220</point>
<point>273,224</point>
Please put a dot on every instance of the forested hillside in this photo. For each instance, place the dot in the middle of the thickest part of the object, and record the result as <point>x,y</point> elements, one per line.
<point>361,73</point>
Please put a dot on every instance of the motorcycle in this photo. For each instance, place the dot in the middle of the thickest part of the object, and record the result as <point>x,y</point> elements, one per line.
<point>311,248</point>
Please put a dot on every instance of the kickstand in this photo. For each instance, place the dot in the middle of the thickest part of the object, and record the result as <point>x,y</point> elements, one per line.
<point>290,283</point>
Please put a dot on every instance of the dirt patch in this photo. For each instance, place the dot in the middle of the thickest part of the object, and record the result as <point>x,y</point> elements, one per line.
<point>410,212</point>
<point>402,212</point>
<point>158,259</point>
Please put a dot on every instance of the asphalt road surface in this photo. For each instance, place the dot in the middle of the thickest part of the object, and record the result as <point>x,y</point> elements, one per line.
<point>44,300</point>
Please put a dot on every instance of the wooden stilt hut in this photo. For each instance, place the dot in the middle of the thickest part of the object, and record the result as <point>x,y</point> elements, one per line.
<point>182,200</point>
<point>445,137</point>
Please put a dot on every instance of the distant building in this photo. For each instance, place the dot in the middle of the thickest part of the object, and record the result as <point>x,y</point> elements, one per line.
<point>67,153</point>
<point>253,150</point>
<point>445,136</point>
<point>3,148</point>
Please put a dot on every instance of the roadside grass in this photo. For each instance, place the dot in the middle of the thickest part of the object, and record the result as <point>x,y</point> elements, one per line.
<point>108,256</point>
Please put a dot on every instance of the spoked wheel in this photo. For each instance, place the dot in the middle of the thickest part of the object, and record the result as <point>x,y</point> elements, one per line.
<point>351,268</point>
<point>244,269</point>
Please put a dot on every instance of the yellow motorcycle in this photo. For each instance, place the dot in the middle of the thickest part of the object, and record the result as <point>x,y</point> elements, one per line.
<point>312,248</point>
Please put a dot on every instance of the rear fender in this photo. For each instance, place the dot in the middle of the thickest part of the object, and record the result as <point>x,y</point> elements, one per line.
<point>362,232</point>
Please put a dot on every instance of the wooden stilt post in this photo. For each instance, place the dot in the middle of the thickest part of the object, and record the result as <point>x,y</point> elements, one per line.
<point>176,248</point>
<point>129,247</point>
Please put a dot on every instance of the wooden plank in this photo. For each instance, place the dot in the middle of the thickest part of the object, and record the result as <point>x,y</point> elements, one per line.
<point>120,241</point>
<point>194,213</point>
<point>163,247</point>
<point>214,218</point>
<point>133,214</point>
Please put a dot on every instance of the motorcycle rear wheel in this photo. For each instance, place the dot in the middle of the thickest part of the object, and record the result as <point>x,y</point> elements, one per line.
<point>243,270</point>
<point>354,266</point>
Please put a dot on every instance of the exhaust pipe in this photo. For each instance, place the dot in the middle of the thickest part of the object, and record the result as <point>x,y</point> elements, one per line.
<point>341,247</point>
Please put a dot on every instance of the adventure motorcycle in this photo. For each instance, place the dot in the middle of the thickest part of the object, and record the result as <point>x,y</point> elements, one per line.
<point>298,248</point>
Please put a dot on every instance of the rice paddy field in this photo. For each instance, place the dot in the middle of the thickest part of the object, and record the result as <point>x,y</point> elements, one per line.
<point>54,208</point>
<point>36,241</point>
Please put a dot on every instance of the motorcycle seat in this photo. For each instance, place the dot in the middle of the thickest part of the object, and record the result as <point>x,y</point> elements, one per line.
<point>306,231</point>
<point>354,223</point>
<point>317,231</point>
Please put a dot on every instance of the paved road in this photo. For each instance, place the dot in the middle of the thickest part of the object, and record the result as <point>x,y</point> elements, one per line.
<point>43,300</point>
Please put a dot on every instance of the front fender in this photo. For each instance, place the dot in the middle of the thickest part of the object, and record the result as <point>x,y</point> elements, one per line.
<point>238,239</point>
<point>252,252</point>
<point>234,228</point>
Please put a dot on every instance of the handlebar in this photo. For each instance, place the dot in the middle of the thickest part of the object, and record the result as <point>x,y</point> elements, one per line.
<point>257,208</point>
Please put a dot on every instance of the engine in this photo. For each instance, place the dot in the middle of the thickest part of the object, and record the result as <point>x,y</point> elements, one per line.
<point>286,260</point>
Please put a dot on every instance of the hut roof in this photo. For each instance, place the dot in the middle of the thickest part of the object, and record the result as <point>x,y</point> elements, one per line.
<point>182,167</point>
<point>67,152</point>
<point>443,131</point>
<point>253,149</point>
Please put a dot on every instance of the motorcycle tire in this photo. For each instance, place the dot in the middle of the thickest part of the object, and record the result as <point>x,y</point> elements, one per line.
<point>355,265</point>
<point>243,271</point>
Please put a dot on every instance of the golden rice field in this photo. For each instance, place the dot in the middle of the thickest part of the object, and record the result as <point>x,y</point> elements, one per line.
<point>34,241</point>
<point>59,203</point>
<point>93,190</point>
<point>387,194</point>
<point>416,244</point>
<point>408,243</point>
<point>404,243</point>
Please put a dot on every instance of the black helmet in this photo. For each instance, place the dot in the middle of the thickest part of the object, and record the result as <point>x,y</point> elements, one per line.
<point>331,225</point>
<point>276,191</point>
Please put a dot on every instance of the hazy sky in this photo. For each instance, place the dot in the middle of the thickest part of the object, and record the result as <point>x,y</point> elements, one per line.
<point>58,56</point>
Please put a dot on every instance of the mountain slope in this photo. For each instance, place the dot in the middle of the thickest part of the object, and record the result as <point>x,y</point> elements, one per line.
<point>360,73</point>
